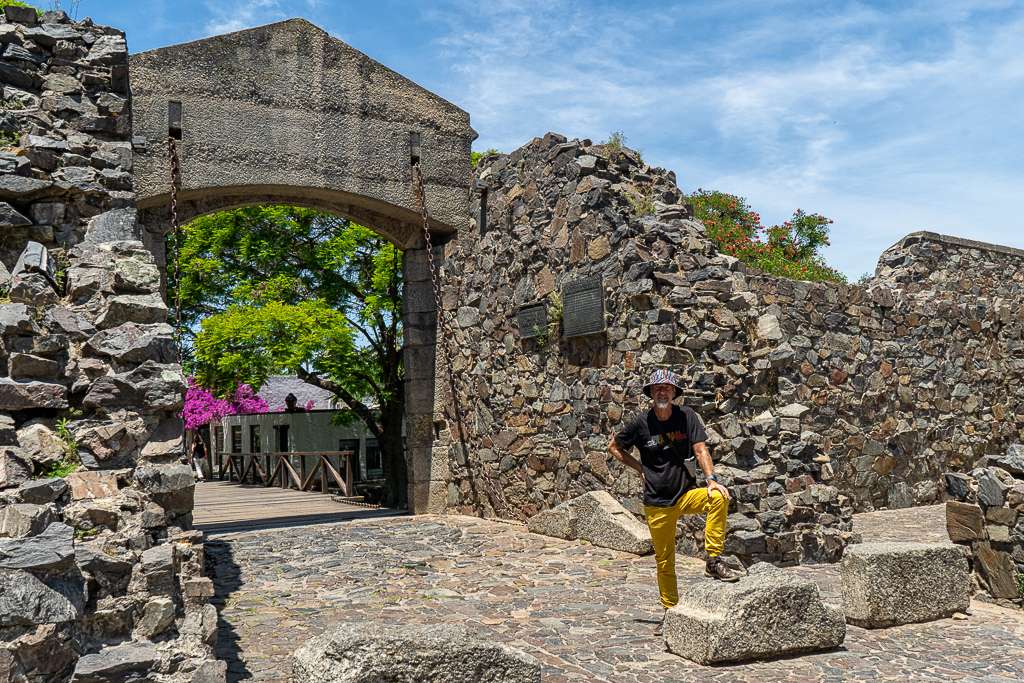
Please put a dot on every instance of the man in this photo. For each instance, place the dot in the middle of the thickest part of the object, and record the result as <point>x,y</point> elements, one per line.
<point>666,436</point>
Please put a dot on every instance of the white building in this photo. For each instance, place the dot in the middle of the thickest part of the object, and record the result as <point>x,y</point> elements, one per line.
<point>280,431</point>
<point>284,432</point>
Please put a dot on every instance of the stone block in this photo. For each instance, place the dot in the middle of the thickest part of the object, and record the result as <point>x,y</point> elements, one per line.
<point>88,485</point>
<point>157,617</point>
<point>42,491</point>
<point>887,584</point>
<point>359,652</point>
<point>598,518</point>
<point>769,613</point>
<point>428,497</point>
<point>15,468</point>
<point>210,672</point>
<point>964,522</point>
<point>558,522</point>
<point>997,570</point>
<point>200,588</point>
<point>31,395</point>
<point>125,662</point>
<point>171,486</point>
<point>27,601</point>
<point>51,550</point>
<point>24,519</point>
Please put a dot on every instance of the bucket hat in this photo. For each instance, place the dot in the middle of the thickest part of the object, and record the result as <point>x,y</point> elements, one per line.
<point>663,376</point>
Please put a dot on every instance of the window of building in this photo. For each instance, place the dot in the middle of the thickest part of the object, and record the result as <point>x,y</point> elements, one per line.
<point>236,438</point>
<point>281,438</point>
<point>352,445</point>
<point>255,446</point>
<point>373,463</point>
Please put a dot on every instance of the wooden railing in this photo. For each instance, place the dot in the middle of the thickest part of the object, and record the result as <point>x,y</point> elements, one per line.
<point>276,469</point>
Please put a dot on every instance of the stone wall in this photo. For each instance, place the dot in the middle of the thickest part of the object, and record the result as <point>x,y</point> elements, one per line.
<point>88,380</point>
<point>985,514</point>
<point>820,398</point>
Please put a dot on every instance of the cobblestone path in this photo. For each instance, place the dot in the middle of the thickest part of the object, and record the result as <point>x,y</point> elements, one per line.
<point>588,614</point>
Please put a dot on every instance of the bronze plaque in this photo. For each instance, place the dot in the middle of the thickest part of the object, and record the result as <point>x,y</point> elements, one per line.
<point>583,307</point>
<point>533,320</point>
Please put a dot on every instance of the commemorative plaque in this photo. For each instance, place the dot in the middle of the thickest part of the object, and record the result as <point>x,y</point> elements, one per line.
<point>583,307</point>
<point>533,320</point>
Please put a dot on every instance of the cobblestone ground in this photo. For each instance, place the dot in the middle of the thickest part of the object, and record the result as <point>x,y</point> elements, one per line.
<point>588,614</point>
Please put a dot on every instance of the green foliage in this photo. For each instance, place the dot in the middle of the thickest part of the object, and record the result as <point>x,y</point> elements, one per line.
<point>292,257</point>
<point>475,157</point>
<point>274,289</point>
<point>9,138</point>
<point>642,202</point>
<point>70,460</point>
<point>616,140</point>
<point>1020,584</point>
<point>792,249</point>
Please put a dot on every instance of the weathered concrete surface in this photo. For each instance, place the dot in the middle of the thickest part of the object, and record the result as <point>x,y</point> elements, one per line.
<point>768,614</point>
<point>286,113</point>
<point>890,583</point>
<point>359,653</point>
<point>598,518</point>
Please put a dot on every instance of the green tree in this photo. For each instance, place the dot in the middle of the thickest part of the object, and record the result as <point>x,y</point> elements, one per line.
<point>274,289</point>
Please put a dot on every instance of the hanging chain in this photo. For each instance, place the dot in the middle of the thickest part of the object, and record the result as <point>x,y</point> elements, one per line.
<point>172,153</point>
<point>443,328</point>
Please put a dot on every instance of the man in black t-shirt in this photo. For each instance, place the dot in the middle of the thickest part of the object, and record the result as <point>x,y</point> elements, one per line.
<point>667,436</point>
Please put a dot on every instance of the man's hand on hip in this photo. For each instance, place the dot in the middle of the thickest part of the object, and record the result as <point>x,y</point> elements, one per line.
<point>715,486</point>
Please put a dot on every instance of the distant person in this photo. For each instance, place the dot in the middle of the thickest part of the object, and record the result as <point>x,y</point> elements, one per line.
<point>195,457</point>
<point>667,436</point>
<point>291,404</point>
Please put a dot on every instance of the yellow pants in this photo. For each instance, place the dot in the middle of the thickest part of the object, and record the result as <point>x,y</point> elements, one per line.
<point>662,523</point>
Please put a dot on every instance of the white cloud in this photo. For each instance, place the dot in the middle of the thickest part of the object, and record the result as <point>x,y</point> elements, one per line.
<point>236,15</point>
<point>888,122</point>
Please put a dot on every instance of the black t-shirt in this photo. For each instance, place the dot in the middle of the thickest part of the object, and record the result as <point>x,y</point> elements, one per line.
<point>663,447</point>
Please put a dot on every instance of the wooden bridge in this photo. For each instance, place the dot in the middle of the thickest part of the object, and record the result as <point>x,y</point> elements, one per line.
<point>275,490</point>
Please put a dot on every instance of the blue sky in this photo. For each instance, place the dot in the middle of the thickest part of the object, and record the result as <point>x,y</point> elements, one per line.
<point>887,117</point>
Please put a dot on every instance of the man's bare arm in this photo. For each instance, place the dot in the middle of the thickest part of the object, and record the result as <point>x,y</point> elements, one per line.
<point>623,457</point>
<point>700,450</point>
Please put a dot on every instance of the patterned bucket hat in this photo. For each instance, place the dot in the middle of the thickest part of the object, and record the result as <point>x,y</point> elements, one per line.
<point>664,377</point>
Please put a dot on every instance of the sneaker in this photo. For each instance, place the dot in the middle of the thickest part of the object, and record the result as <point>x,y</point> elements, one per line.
<point>716,569</point>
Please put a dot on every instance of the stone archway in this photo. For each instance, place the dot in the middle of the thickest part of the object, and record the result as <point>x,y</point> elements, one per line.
<point>285,113</point>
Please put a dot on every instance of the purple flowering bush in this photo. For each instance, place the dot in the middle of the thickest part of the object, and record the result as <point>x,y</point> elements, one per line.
<point>203,407</point>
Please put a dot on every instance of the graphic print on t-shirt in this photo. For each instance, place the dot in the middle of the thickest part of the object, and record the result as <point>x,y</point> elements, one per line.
<point>664,447</point>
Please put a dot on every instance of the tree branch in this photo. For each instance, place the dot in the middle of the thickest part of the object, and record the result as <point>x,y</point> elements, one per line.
<point>355,405</point>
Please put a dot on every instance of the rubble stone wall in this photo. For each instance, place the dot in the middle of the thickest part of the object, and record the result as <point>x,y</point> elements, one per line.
<point>819,398</point>
<point>985,514</point>
<point>98,571</point>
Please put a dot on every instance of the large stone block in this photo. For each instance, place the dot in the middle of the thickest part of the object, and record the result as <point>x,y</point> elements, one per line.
<point>598,518</point>
<point>27,601</point>
<point>887,584</point>
<point>24,519</point>
<point>15,468</point>
<point>125,662</point>
<point>362,653</point>
<point>51,550</point>
<point>964,522</point>
<point>30,395</point>
<point>998,571</point>
<point>769,613</point>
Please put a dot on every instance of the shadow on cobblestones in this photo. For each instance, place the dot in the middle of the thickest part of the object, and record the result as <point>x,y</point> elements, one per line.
<point>227,578</point>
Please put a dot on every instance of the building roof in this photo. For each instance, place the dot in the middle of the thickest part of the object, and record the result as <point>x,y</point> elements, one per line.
<point>277,387</point>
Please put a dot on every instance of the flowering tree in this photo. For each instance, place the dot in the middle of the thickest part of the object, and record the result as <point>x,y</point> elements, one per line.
<point>202,406</point>
<point>792,249</point>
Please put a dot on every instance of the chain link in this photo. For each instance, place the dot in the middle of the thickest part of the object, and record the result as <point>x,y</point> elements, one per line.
<point>172,154</point>
<point>443,327</point>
